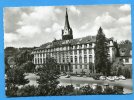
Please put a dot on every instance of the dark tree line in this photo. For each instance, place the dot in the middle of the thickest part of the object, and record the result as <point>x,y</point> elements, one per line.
<point>15,75</point>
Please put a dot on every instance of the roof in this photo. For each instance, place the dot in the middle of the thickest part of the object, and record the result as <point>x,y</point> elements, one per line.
<point>59,43</point>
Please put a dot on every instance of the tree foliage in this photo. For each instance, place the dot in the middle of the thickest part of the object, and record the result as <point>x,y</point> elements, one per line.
<point>102,63</point>
<point>28,91</point>
<point>48,74</point>
<point>28,67</point>
<point>23,57</point>
<point>7,66</point>
<point>15,77</point>
<point>118,68</point>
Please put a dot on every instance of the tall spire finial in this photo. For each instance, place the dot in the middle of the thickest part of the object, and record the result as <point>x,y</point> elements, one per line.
<point>66,20</point>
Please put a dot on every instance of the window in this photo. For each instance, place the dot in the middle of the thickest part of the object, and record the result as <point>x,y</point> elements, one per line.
<point>80,52</point>
<point>90,51</point>
<point>44,60</point>
<point>85,51</point>
<point>85,46</point>
<point>85,59</point>
<point>126,60</point>
<point>80,59</point>
<point>67,58</point>
<point>71,59</point>
<point>35,61</point>
<point>90,58</point>
<point>63,60</point>
<point>66,47</point>
<point>75,58</point>
<point>80,66</point>
<point>75,52</point>
<point>71,47</point>
<point>59,59</point>
<point>63,54</point>
<point>75,66</point>
<point>38,61</point>
<point>80,46</point>
<point>85,66</point>
<point>76,47</point>
<point>90,45</point>
<point>71,52</point>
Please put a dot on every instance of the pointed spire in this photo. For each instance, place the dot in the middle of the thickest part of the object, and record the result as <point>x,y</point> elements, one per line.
<point>100,31</point>
<point>66,12</point>
<point>66,20</point>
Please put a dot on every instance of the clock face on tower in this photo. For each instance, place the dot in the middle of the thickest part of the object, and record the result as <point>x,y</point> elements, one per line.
<point>66,32</point>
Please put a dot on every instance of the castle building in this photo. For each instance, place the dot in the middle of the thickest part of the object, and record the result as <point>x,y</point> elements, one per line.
<point>75,55</point>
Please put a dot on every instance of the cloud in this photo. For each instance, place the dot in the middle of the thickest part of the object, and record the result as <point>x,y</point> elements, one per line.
<point>54,30</point>
<point>125,7</point>
<point>10,37</point>
<point>84,26</point>
<point>74,10</point>
<point>119,28</point>
<point>125,20</point>
<point>28,31</point>
<point>33,26</point>
<point>119,33</point>
<point>105,20</point>
<point>57,10</point>
<point>38,16</point>
<point>33,23</point>
<point>48,30</point>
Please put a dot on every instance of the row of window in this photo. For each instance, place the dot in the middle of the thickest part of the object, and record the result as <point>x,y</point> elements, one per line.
<point>85,51</point>
<point>67,48</point>
<point>65,59</point>
<point>80,67</point>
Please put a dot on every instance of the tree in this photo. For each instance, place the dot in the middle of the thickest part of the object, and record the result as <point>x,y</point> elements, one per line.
<point>23,56</point>
<point>7,66</point>
<point>15,77</point>
<point>48,74</point>
<point>28,66</point>
<point>102,64</point>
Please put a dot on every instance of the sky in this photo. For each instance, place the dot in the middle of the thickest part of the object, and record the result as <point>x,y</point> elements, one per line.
<point>34,26</point>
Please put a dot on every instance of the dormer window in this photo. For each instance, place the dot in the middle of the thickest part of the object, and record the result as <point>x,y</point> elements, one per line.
<point>126,60</point>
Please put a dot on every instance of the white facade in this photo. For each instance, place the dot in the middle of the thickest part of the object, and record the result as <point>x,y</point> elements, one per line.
<point>79,56</point>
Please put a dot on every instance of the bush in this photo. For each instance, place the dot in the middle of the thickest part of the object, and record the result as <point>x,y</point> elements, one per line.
<point>11,90</point>
<point>85,90</point>
<point>108,90</point>
<point>28,67</point>
<point>27,91</point>
<point>118,89</point>
<point>97,90</point>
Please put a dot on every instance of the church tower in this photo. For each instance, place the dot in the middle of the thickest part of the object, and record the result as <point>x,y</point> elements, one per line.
<point>67,32</point>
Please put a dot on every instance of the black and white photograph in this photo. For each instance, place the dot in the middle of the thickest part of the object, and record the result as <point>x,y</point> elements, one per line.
<point>68,50</point>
